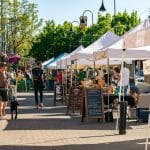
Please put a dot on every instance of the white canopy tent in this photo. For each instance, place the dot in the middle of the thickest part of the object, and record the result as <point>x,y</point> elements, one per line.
<point>83,56</point>
<point>53,63</point>
<point>107,39</point>
<point>81,62</point>
<point>131,42</point>
<point>140,36</point>
<point>46,62</point>
<point>67,59</point>
<point>130,46</point>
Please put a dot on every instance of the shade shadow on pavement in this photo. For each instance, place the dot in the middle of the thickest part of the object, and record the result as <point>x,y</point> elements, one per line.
<point>70,123</point>
<point>53,118</point>
<point>125,145</point>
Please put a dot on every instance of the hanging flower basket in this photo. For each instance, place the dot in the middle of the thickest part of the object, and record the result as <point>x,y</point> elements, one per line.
<point>14,59</point>
<point>3,57</point>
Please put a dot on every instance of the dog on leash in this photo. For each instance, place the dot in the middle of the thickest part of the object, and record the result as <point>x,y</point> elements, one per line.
<point>14,108</point>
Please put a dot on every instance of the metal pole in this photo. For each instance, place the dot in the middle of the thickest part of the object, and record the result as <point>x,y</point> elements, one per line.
<point>75,22</point>
<point>71,74</point>
<point>91,14</point>
<point>148,127</point>
<point>108,83</point>
<point>76,60</point>
<point>92,35</point>
<point>114,7</point>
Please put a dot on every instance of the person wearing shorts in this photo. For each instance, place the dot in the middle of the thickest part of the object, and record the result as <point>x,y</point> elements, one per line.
<point>3,89</point>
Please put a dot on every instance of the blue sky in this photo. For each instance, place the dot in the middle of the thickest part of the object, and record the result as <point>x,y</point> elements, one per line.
<point>70,10</point>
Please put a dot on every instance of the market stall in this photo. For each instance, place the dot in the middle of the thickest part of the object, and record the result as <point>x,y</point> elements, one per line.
<point>127,47</point>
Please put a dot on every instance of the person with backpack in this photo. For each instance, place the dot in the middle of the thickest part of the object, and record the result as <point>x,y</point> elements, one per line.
<point>37,77</point>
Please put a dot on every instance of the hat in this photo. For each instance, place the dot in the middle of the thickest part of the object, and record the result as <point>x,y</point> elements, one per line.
<point>3,64</point>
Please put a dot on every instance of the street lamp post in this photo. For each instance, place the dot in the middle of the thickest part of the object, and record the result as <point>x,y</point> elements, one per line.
<point>83,21</point>
<point>71,30</point>
<point>114,7</point>
<point>121,121</point>
<point>102,7</point>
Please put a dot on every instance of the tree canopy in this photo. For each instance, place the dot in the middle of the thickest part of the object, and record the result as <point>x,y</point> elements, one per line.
<point>19,23</point>
<point>55,39</point>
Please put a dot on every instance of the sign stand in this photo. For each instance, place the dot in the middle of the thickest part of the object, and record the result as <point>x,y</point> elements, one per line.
<point>93,105</point>
<point>59,91</point>
<point>75,99</point>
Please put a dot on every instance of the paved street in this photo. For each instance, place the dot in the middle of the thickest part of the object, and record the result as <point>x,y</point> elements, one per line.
<point>51,129</point>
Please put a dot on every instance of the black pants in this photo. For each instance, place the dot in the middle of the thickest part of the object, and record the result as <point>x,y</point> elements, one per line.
<point>38,87</point>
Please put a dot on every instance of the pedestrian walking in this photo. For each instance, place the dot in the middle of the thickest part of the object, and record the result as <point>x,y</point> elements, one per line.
<point>37,77</point>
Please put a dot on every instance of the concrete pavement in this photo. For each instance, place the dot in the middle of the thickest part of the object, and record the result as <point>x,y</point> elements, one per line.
<point>51,129</point>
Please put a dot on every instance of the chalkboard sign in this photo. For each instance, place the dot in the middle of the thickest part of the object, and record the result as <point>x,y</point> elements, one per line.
<point>58,93</point>
<point>94,106</point>
<point>75,99</point>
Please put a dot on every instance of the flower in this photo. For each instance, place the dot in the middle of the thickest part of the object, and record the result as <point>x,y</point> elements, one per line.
<point>14,59</point>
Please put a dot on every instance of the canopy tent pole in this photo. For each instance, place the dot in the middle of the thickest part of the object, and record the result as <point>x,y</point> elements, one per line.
<point>121,79</point>
<point>71,74</point>
<point>93,65</point>
<point>62,71</point>
<point>94,70</point>
<point>147,133</point>
<point>120,88</point>
<point>108,85</point>
<point>76,72</point>
<point>66,78</point>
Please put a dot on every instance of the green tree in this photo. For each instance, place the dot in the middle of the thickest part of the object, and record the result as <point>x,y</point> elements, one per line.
<point>22,24</point>
<point>94,32</point>
<point>56,39</point>
<point>122,23</point>
<point>19,23</point>
<point>3,23</point>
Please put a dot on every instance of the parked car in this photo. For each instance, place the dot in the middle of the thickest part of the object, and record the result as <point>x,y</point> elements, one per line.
<point>139,77</point>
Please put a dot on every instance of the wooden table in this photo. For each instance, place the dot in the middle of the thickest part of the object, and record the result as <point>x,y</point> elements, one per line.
<point>129,98</point>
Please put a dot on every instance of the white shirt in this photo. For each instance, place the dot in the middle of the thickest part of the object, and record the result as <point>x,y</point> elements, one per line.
<point>125,77</point>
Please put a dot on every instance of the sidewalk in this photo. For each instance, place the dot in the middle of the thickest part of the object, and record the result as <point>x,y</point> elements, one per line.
<point>51,129</point>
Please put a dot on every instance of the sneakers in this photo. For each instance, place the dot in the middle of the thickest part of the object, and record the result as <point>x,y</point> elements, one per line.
<point>41,105</point>
<point>37,106</point>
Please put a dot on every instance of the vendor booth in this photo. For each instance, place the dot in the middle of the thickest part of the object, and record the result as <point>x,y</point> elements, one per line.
<point>46,62</point>
<point>53,63</point>
<point>51,67</point>
<point>121,49</point>
<point>134,45</point>
<point>107,39</point>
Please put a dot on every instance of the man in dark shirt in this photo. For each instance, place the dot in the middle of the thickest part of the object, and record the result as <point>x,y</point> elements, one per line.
<point>37,76</point>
